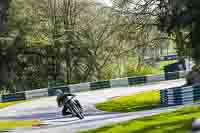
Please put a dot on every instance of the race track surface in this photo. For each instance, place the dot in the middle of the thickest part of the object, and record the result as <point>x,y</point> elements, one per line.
<point>46,110</point>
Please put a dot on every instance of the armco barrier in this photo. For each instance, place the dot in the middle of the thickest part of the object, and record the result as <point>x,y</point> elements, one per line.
<point>79,87</point>
<point>180,95</point>
<point>52,91</point>
<point>170,57</point>
<point>37,93</point>
<point>196,93</point>
<point>100,85</point>
<point>137,80</point>
<point>155,78</point>
<point>14,97</point>
<point>1,99</point>
<point>171,76</point>
<point>123,82</point>
<point>163,97</point>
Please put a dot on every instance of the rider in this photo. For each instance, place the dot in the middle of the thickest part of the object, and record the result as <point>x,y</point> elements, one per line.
<point>61,98</point>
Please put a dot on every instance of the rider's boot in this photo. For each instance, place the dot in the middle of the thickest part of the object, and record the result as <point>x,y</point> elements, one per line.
<point>65,111</point>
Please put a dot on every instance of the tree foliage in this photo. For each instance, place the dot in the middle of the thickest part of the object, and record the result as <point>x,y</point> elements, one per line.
<point>173,17</point>
<point>77,41</point>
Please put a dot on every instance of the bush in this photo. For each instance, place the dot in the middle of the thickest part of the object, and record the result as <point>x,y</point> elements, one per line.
<point>107,72</point>
<point>143,70</point>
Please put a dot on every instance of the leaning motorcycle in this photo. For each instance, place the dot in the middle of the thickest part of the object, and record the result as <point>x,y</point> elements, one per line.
<point>74,107</point>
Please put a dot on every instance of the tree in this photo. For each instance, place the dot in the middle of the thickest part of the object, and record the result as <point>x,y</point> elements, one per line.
<point>4,5</point>
<point>18,43</point>
<point>99,31</point>
<point>65,38</point>
<point>178,18</point>
<point>195,30</point>
<point>169,16</point>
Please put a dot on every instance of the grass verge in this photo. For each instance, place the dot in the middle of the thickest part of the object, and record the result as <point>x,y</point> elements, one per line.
<point>135,102</point>
<point>6,125</point>
<point>162,64</point>
<point>174,122</point>
<point>6,104</point>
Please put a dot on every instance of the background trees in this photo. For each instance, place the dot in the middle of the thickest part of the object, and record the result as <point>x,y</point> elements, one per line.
<point>171,17</point>
<point>53,42</point>
<point>195,10</point>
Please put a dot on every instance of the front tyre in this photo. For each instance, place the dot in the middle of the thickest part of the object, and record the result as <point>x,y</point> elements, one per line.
<point>79,105</point>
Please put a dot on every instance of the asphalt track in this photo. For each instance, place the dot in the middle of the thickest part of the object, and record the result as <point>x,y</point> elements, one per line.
<point>46,110</point>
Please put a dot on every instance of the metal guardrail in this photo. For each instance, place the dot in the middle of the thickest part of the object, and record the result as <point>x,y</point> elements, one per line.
<point>14,97</point>
<point>100,84</point>
<point>1,99</point>
<point>180,95</point>
<point>122,82</point>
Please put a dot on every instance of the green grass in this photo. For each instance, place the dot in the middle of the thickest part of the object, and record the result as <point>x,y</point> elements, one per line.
<point>5,125</point>
<point>143,70</point>
<point>135,102</point>
<point>164,63</point>
<point>147,69</point>
<point>172,122</point>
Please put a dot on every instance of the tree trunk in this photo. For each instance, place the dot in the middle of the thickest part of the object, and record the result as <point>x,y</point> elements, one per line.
<point>194,76</point>
<point>179,41</point>
<point>4,5</point>
<point>4,72</point>
<point>68,64</point>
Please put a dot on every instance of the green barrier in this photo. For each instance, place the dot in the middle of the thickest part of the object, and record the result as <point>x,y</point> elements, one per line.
<point>172,75</point>
<point>100,85</point>
<point>137,80</point>
<point>14,97</point>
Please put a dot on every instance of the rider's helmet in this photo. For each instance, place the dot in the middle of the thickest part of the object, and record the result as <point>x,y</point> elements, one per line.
<point>59,93</point>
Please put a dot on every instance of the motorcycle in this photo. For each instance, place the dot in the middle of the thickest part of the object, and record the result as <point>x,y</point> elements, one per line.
<point>74,107</point>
